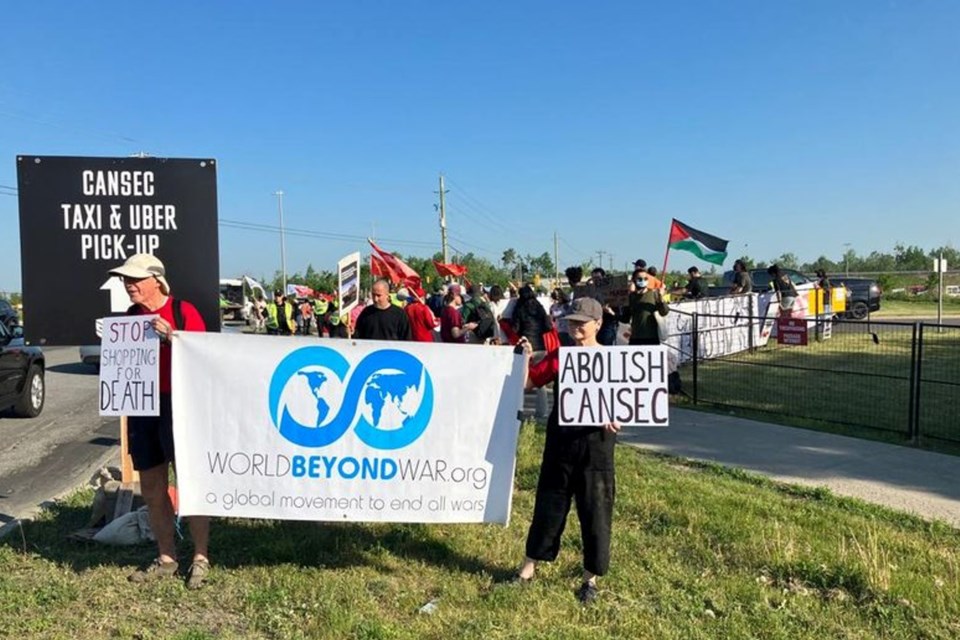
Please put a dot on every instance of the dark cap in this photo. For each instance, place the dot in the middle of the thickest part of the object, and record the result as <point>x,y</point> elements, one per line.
<point>693,270</point>
<point>277,292</point>
<point>584,310</point>
<point>640,263</point>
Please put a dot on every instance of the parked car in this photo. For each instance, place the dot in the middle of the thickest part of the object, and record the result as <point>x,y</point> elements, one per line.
<point>761,281</point>
<point>863,298</point>
<point>90,354</point>
<point>22,387</point>
<point>8,315</point>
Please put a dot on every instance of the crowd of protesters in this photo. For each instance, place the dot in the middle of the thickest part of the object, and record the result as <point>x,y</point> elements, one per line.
<point>578,462</point>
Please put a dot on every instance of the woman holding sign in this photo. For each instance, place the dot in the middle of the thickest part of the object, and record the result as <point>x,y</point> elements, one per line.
<point>151,437</point>
<point>577,464</point>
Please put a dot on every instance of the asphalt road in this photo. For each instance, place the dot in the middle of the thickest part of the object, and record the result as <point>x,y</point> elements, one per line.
<point>50,455</point>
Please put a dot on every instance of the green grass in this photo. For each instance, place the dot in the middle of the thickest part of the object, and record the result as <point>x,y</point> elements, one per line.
<point>852,383</point>
<point>915,307</point>
<point>699,552</point>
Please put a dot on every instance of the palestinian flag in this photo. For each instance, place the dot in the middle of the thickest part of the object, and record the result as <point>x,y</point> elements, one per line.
<point>703,245</point>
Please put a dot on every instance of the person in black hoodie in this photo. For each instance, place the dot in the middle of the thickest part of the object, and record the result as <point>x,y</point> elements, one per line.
<point>530,321</point>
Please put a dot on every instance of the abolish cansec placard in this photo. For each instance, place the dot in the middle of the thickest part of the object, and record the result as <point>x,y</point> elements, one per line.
<point>623,384</point>
<point>282,428</point>
<point>80,217</point>
<point>129,367</point>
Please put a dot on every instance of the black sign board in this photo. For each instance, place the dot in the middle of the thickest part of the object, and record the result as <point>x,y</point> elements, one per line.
<point>80,217</point>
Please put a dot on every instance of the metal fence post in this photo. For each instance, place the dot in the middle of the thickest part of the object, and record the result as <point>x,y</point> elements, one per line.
<point>919,385</point>
<point>696,354</point>
<point>912,427</point>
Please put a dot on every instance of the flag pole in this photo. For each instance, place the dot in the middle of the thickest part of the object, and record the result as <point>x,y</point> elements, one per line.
<point>666,254</point>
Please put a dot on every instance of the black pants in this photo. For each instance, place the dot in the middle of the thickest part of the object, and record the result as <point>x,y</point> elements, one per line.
<point>577,463</point>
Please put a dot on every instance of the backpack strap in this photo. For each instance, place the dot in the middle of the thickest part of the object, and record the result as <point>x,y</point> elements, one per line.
<point>177,313</point>
<point>133,310</point>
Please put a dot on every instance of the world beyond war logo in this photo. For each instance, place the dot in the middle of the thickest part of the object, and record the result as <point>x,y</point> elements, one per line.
<point>315,398</point>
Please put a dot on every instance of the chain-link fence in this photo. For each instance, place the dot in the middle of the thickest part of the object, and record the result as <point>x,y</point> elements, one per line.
<point>896,377</point>
<point>937,408</point>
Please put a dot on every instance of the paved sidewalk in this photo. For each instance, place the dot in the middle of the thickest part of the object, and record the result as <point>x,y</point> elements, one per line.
<point>920,482</point>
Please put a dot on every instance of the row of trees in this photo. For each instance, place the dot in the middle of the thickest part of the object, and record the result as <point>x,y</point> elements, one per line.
<point>515,267</point>
<point>903,258</point>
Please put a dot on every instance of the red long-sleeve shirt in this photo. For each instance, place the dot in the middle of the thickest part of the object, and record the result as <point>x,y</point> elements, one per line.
<point>192,321</point>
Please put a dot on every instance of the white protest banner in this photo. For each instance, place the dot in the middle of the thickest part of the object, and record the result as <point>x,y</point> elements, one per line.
<point>129,367</point>
<point>727,325</point>
<point>623,384</point>
<point>284,428</point>
<point>348,277</point>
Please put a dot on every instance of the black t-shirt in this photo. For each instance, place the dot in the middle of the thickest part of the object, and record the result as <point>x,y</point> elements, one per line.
<point>382,324</point>
<point>695,288</point>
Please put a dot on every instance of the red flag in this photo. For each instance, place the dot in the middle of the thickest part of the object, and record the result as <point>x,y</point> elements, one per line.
<point>392,267</point>
<point>379,269</point>
<point>450,270</point>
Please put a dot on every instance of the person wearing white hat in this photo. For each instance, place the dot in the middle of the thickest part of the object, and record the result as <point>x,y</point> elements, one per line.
<point>151,437</point>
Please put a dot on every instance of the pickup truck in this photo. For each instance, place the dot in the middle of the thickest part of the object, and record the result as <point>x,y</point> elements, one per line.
<point>863,294</point>
<point>761,281</point>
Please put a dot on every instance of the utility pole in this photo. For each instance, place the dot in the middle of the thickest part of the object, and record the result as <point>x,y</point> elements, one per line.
<point>611,262</point>
<point>443,221</point>
<point>283,247</point>
<point>600,255</point>
<point>556,261</point>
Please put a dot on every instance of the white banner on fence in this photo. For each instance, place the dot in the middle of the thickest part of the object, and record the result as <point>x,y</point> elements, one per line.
<point>129,367</point>
<point>620,384</point>
<point>728,325</point>
<point>282,428</point>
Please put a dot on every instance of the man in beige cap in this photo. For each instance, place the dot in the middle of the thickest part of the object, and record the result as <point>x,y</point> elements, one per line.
<point>151,437</point>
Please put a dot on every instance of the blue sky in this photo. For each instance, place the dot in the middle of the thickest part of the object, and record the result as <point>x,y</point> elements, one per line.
<point>782,126</point>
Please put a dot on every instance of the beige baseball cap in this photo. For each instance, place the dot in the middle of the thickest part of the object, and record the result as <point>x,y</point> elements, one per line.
<point>144,265</point>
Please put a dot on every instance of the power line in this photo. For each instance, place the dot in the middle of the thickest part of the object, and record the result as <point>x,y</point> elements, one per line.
<point>574,249</point>
<point>72,128</point>
<point>475,202</point>
<point>484,219</point>
<point>308,233</point>
<point>487,212</point>
<point>473,246</point>
<point>483,224</point>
